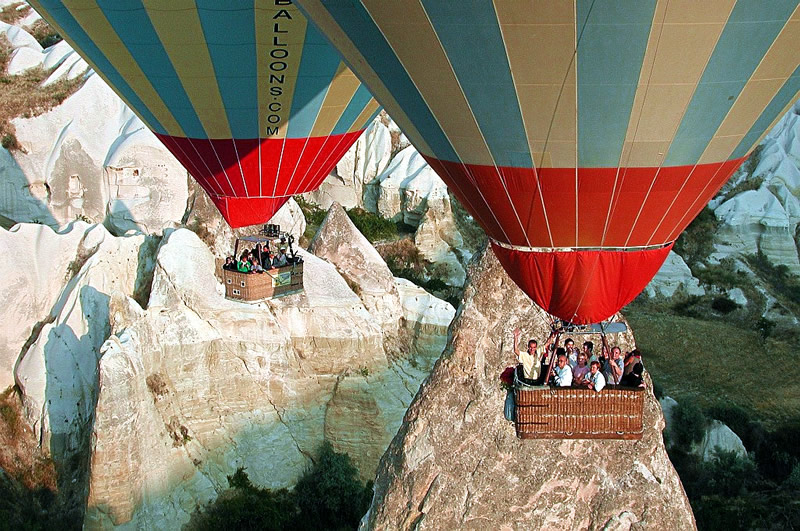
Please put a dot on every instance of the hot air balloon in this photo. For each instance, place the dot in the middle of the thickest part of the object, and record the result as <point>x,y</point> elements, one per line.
<point>247,95</point>
<point>582,135</point>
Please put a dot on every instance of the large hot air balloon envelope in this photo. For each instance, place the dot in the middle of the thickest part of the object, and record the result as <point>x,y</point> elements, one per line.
<point>246,94</point>
<point>583,135</point>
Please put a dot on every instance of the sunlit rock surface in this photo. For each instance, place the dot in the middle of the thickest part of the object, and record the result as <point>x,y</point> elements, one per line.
<point>674,275</point>
<point>196,386</point>
<point>362,163</point>
<point>456,463</point>
<point>720,438</point>
<point>339,242</point>
<point>35,264</point>
<point>766,219</point>
<point>57,373</point>
<point>101,165</point>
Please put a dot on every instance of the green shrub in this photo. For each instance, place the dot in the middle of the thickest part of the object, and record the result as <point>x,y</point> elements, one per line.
<point>689,424</point>
<point>783,284</point>
<point>722,275</point>
<point>696,243</point>
<point>764,327</point>
<point>691,306</point>
<point>372,226</point>
<point>329,495</point>
<point>248,507</point>
<point>723,304</point>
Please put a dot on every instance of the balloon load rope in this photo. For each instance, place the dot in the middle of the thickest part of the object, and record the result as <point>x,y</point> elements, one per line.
<point>525,249</point>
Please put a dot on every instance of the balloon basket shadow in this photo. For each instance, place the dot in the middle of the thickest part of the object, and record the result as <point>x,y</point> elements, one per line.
<point>574,413</point>
<point>255,287</point>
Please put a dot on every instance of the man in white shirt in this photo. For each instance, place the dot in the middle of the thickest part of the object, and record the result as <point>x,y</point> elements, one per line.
<point>531,358</point>
<point>595,380</point>
<point>562,374</point>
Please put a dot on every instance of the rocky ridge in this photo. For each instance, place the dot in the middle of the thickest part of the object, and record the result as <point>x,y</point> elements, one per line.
<point>476,473</point>
<point>141,365</point>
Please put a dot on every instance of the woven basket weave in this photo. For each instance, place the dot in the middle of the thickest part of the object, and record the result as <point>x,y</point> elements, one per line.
<point>250,287</point>
<point>575,413</point>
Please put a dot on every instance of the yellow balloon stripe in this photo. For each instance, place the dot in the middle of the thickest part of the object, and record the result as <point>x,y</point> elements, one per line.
<point>540,44</point>
<point>332,30</point>
<point>370,109</point>
<point>340,91</point>
<point>669,76</point>
<point>181,34</point>
<point>419,50</point>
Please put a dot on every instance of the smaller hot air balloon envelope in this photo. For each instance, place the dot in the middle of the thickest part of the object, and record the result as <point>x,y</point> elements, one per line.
<point>249,97</point>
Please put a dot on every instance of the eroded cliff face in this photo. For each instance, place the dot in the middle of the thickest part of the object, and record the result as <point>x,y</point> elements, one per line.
<point>456,463</point>
<point>195,386</point>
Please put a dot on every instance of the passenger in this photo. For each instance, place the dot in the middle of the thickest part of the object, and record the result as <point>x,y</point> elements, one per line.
<point>572,352</point>
<point>588,346</point>
<point>230,265</point>
<point>243,265</point>
<point>594,380</point>
<point>269,258</point>
<point>634,378</point>
<point>581,370</point>
<point>614,366</point>
<point>280,258</point>
<point>266,257</point>
<point>530,359</point>
<point>562,374</point>
<point>632,358</point>
<point>255,263</point>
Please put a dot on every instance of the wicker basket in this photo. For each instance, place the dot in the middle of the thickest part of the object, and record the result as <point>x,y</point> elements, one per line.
<point>250,287</point>
<point>576,413</point>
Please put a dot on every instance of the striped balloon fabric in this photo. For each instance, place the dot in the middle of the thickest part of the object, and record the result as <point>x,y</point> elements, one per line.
<point>583,135</point>
<point>246,94</point>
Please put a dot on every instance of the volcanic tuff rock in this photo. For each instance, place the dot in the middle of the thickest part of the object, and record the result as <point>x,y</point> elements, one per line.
<point>196,385</point>
<point>674,274</point>
<point>32,285</point>
<point>362,163</point>
<point>765,219</point>
<point>101,164</point>
<point>168,400</point>
<point>457,464</point>
<point>339,242</point>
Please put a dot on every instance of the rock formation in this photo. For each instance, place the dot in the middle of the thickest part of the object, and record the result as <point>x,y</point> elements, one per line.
<point>674,275</point>
<point>100,165</point>
<point>127,353</point>
<point>362,163</point>
<point>766,219</point>
<point>360,264</point>
<point>457,464</point>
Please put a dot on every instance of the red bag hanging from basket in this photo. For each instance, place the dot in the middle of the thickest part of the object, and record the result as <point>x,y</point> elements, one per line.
<point>507,376</point>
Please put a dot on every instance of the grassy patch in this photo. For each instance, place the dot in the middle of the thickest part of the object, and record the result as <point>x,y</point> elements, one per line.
<point>314,218</point>
<point>44,33</point>
<point>716,363</point>
<point>24,96</point>
<point>14,12</point>
<point>372,226</point>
